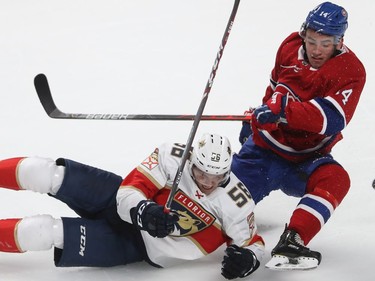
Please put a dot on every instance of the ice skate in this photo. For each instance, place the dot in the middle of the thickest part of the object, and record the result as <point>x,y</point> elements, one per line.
<point>291,254</point>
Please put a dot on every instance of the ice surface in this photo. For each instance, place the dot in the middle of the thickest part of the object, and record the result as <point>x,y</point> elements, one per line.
<point>150,56</point>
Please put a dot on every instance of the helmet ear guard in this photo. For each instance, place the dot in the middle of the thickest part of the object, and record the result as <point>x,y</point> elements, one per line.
<point>212,154</point>
<point>327,18</point>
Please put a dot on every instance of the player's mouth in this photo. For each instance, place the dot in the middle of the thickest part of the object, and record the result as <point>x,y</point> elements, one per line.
<point>207,187</point>
<point>316,62</point>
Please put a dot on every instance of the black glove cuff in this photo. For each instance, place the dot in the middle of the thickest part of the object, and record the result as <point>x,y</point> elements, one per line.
<point>136,212</point>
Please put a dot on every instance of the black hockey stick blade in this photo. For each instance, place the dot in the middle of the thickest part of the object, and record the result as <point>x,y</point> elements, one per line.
<point>45,96</point>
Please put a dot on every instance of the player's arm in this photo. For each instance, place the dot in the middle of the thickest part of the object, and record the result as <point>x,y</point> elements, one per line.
<point>326,115</point>
<point>135,188</point>
<point>134,199</point>
<point>242,257</point>
<point>246,249</point>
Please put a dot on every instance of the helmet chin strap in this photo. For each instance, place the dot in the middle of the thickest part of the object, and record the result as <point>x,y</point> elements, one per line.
<point>225,180</point>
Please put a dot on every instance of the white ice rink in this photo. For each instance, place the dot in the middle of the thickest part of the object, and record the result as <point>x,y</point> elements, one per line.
<point>155,56</point>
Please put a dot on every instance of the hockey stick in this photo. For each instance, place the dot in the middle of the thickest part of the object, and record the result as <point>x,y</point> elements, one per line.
<point>198,116</point>
<point>45,96</point>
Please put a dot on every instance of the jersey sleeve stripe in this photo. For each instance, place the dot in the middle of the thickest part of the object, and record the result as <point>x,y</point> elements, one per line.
<point>324,125</point>
<point>333,115</point>
<point>338,108</point>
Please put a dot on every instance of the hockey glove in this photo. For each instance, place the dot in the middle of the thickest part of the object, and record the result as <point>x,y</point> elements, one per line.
<point>151,217</point>
<point>274,109</point>
<point>238,262</point>
<point>246,130</point>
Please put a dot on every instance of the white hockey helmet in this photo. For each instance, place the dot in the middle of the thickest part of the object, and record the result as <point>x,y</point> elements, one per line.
<point>212,154</point>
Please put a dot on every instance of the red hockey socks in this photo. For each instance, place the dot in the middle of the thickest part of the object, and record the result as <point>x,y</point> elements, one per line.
<point>326,188</point>
<point>8,233</point>
<point>8,173</point>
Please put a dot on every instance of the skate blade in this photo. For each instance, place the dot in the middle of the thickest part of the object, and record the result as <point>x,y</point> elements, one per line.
<point>279,262</point>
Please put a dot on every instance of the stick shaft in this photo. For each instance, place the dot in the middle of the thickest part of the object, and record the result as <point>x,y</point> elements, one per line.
<point>198,116</point>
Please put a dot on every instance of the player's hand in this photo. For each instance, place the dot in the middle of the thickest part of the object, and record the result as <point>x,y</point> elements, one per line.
<point>238,262</point>
<point>274,109</point>
<point>151,217</point>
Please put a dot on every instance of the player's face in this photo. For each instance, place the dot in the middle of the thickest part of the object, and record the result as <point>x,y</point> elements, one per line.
<point>319,47</point>
<point>206,183</point>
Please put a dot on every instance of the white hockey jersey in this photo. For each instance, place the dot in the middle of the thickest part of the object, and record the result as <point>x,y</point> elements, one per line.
<point>206,221</point>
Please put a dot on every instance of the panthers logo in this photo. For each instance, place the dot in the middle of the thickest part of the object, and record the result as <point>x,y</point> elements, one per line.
<point>193,217</point>
<point>186,224</point>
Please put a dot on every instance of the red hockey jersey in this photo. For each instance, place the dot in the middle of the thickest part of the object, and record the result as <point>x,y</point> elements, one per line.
<point>325,101</point>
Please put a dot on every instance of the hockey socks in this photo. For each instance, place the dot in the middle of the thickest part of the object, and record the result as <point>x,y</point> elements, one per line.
<point>8,173</point>
<point>8,236</point>
<point>326,188</point>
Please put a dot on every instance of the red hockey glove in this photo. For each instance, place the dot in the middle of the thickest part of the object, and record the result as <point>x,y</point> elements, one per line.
<point>273,111</point>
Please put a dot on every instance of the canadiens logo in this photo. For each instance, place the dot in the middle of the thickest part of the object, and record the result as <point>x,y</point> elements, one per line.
<point>193,217</point>
<point>152,161</point>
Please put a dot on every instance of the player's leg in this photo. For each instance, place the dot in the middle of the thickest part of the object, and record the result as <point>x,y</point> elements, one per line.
<point>326,188</point>
<point>35,233</point>
<point>31,173</point>
<point>87,190</point>
<point>77,242</point>
<point>95,243</point>
<point>327,184</point>
<point>259,169</point>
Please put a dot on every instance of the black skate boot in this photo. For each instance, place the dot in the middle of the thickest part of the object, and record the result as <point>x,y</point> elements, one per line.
<point>291,254</point>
